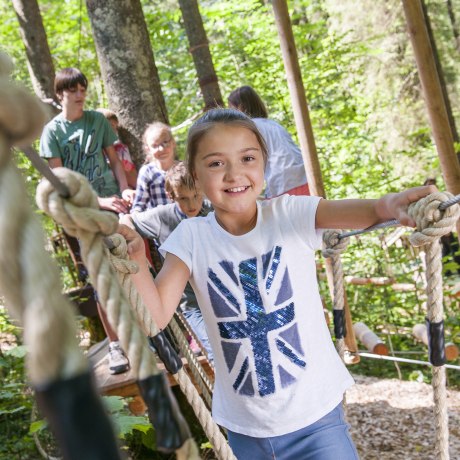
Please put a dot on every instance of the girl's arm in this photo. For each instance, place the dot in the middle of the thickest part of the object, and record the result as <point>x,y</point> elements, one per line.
<point>364,213</point>
<point>162,295</point>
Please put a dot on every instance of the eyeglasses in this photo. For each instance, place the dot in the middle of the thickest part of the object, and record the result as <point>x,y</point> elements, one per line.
<point>163,145</point>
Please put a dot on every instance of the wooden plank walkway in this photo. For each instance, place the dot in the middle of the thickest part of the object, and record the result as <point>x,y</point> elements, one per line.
<point>125,384</point>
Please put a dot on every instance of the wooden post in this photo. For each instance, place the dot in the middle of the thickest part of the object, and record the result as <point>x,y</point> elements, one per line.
<point>370,340</point>
<point>432,91</point>
<point>299,101</point>
<point>305,132</point>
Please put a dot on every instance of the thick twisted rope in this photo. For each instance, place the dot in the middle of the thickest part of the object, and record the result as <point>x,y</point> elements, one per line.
<point>29,278</point>
<point>334,246</point>
<point>80,217</point>
<point>432,223</point>
<point>212,430</point>
<point>124,267</point>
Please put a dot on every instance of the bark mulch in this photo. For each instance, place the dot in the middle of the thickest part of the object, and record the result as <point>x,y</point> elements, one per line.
<point>392,419</point>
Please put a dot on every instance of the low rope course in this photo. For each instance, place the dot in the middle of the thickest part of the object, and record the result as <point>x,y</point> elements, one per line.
<point>21,120</point>
<point>124,267</point>
<point>435,215</point>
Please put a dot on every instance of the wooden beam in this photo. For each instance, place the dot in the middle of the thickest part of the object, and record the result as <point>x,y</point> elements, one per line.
<point>432,92</point>
<point>298,98</point>
<point>305,132</point>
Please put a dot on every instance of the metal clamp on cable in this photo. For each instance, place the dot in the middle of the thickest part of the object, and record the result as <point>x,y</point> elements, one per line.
<point>166,352</point>
<point>170,426</point>
<point>339,324</point>
<point>436,343</point>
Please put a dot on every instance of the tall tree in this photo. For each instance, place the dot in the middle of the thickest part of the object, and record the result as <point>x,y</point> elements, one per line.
<point>33,34</point>
<point>128,67</point>
<point>199,48</point>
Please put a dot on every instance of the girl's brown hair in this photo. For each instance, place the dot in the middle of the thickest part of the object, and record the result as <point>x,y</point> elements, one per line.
<point>208,121</point>
<point>248,101</point>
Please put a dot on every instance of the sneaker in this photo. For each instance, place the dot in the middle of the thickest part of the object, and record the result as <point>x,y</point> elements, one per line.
<point>118,362</point>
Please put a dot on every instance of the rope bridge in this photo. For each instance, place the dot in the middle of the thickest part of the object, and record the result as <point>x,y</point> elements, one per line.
<point>58,372</point>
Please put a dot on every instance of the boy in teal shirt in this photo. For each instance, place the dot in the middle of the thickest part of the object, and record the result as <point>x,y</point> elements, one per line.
<point>75,139</point>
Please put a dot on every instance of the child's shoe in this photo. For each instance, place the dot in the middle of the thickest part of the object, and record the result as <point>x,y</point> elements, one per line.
<point>118,362</point>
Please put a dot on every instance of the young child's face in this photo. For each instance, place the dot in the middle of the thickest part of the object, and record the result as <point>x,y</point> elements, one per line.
<point>229,169</point>
<point>73,98</point>
<point>161,145</point>
<point>189,200</point>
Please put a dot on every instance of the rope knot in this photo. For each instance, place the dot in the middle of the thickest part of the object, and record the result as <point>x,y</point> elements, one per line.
<point>334,244</point>
<point>80,211</point>
<point>432,223</point>
<point>119,255</point>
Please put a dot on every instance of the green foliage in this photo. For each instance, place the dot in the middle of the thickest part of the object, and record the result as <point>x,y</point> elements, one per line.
<point>370,128</point>
<point>15,397</point>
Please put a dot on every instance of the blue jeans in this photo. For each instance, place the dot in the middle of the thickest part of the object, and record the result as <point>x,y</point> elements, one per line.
<point>326,439</point>
<point>196,322</point>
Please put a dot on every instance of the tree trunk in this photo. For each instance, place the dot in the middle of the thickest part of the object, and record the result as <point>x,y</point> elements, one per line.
<point>39,62</point>
<point>202,58</point>
<point>128,68</point>
<point>434,99</point>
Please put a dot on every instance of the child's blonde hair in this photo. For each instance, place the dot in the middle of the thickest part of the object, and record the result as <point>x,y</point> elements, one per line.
<point>178,176</point>
<point>157,127</point>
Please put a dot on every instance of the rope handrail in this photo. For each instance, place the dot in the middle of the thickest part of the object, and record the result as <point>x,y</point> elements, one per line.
<point>394,222</point>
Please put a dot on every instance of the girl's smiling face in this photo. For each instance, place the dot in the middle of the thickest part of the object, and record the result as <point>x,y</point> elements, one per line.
<point>229,168</point>
<point>161,147</point>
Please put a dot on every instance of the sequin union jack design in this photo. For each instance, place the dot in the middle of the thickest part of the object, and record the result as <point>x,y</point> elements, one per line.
<point>254,322</point>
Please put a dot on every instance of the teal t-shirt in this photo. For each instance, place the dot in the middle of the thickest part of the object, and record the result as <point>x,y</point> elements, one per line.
<point>79,144</point>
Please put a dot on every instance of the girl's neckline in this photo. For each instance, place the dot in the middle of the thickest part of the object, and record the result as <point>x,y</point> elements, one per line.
<point>244,235</point>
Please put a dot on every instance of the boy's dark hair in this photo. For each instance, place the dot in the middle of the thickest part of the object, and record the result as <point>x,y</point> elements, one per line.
<point>248,101</point>
<point>178,176</point>
<point>69,78</point>
<point>208,121</point>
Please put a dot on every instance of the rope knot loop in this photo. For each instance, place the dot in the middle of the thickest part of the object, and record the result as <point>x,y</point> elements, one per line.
<point>119,255</point>
<point>432,223</point>
<point>334,245</point>
<point>80,211</point>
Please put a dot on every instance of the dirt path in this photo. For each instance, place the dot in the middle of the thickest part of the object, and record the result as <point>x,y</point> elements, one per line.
<point>391,419</point>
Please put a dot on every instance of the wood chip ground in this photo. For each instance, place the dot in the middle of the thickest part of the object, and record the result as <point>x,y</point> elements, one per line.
<point>392,419</point>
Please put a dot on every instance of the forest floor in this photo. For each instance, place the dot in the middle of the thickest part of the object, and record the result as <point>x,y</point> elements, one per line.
<point>393,419</point>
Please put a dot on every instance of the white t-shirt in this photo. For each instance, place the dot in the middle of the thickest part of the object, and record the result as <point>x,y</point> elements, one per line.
<point>285,169</point>
<point>277,370</point>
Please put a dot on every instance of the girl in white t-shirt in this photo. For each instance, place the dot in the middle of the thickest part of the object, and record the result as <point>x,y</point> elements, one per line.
<point>279,381</point>
<point>285,170</point>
